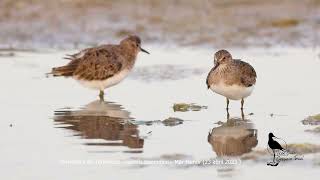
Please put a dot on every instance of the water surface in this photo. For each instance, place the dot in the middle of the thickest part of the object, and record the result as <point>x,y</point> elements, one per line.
<point>48,122</point>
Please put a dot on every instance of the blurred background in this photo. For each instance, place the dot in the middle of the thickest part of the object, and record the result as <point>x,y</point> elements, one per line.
<point>65,24</point>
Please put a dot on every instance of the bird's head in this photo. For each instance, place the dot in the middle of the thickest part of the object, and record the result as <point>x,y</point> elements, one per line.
<point>271,135</point>
<point>221,57</point>
<point>133,43</point>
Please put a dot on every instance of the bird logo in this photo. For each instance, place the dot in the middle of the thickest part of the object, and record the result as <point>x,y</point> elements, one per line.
<point>276,149</point>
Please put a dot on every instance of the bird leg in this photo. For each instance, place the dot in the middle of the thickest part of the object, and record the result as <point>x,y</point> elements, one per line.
<point>242,114</point>
<point>242,102</point>
<point>274,155</point>
<point>101,95</point>
<point>228,115</point>
<point>227,104</point>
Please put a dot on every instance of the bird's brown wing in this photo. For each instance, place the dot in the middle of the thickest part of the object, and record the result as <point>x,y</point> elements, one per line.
<point>98,64</point>
<point>247,73</point>
<point>91,64</point>
<point>66,70</point>
<point>83,52</point>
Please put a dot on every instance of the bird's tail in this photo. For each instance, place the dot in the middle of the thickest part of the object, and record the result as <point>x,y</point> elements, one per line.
<point>65,71</point>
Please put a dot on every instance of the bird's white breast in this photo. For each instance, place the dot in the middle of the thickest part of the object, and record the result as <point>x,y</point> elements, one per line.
<point>103,84</point>
<point>233,92</point>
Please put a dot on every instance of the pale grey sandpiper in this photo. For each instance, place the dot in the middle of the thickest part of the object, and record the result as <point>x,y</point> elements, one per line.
<point>232,78</point>
<point>102,66</point>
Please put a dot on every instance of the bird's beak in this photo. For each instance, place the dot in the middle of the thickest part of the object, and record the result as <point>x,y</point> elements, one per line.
<point>144,50</point>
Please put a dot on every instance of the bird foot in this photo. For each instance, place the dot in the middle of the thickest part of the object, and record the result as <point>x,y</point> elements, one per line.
<point>272,163</point>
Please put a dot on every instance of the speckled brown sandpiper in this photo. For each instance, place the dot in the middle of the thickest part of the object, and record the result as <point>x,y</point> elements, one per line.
<point>231,78</point>
<point>102,66</point>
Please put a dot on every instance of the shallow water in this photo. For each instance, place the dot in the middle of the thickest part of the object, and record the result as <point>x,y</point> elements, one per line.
<point>49,125</point>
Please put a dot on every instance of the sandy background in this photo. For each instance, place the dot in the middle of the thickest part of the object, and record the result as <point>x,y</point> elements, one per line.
<point>242,23</point>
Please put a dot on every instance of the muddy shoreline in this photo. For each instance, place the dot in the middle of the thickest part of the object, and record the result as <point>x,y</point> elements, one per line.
<point>68,24</point>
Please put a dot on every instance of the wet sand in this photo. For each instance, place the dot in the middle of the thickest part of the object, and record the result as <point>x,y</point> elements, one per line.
<point>49,122</point>
<point>228,23</point>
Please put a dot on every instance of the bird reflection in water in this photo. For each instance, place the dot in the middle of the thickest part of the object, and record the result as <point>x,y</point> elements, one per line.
<point>101,120</point>
<point>234,137</point>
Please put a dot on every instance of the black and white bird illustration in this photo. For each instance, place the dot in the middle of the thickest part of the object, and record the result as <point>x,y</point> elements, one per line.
<point>274,145</point>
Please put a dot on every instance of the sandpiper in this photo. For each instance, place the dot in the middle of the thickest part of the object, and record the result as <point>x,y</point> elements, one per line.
<point>231,78</point>
<point>102,66</point>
